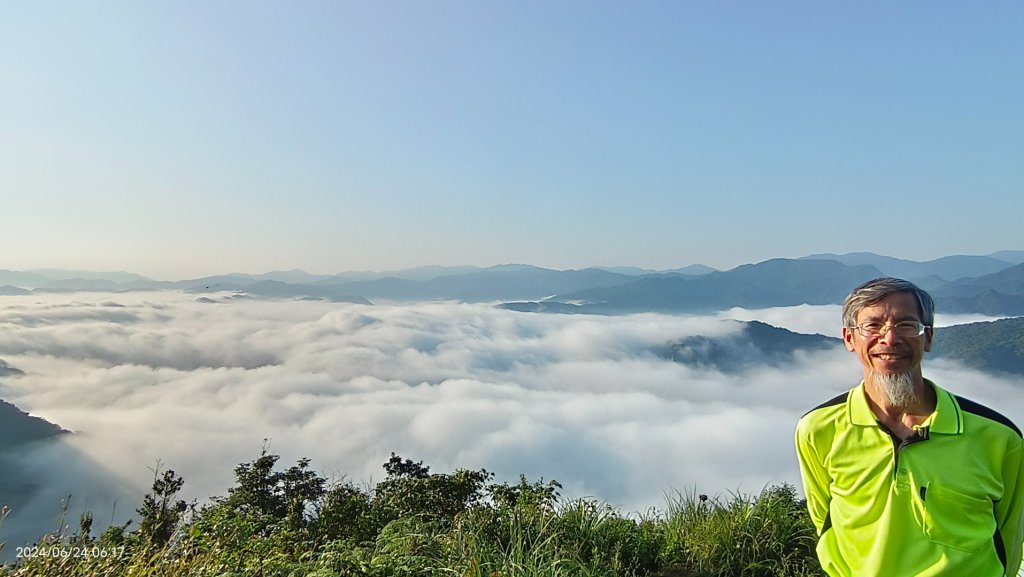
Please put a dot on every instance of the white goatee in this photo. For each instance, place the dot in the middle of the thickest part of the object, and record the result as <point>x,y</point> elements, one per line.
<point>897,389</point>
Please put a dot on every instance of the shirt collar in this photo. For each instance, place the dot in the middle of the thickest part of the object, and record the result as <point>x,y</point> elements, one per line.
<point>946,419</point>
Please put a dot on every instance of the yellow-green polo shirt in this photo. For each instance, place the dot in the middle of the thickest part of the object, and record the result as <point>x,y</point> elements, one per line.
<point>947,501</point>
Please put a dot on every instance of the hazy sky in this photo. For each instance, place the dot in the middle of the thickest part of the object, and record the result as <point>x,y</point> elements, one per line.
<point>148,377</point>
<point>177,139</point>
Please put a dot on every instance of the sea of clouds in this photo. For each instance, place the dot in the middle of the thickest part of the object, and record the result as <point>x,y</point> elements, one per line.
<point>165,379</point>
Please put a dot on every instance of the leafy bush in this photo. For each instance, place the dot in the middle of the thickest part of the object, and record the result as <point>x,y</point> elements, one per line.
<point>411,490</point>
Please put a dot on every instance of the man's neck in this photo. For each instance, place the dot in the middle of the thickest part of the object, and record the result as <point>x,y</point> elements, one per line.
<point>901,420</point>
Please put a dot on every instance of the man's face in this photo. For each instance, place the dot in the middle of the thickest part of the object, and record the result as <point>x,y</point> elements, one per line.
<point>889,353</point>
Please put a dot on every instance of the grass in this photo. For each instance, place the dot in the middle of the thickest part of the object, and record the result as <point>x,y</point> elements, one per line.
<point>767,535</point>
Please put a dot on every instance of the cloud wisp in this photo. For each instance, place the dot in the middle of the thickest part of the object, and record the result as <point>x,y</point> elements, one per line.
<point>582,399</point>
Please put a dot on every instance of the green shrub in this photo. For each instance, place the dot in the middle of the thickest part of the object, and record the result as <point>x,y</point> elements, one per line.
<point>410,490</point>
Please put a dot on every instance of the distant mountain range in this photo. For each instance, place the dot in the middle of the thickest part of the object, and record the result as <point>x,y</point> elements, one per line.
<point>990,284</point>
<point>948,268</point>
<point>779,282</point>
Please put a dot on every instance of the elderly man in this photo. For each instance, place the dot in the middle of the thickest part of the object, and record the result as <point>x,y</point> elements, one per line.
<point>902,477</point>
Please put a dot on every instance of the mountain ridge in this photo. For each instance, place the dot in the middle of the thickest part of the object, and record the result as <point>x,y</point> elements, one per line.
<point>600,290</point>
<point>41,276</point>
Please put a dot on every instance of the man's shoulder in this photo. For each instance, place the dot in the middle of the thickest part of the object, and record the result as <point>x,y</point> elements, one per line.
<point>830,405</point>
<point>977,410</point>
<point>825,419</point>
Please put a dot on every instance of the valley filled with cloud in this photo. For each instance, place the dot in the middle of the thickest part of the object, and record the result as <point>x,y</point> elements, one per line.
<point>196,385</point>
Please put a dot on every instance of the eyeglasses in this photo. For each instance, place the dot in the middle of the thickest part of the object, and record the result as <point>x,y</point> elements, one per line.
<point>902,329</point>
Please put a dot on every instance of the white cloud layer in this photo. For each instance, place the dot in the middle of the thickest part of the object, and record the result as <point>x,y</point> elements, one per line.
<point>147,377</point>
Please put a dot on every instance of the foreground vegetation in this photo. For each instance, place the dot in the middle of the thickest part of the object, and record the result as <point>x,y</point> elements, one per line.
<point>294,522</point>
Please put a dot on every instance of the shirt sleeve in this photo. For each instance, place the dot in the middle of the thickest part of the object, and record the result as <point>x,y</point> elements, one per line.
<point>1010,509</point>
<point>813,474</point>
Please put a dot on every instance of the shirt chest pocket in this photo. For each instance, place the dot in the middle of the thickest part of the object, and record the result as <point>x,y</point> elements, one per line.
<point>957,520</point>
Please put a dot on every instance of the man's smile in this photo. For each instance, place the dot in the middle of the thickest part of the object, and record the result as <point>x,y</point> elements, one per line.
<point>889,355</point>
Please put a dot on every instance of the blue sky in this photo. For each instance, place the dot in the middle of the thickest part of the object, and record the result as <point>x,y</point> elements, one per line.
<point>185,138</point>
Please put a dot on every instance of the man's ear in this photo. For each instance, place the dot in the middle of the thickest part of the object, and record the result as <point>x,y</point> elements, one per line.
<point>928,334</point>
<point>848,339</point>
